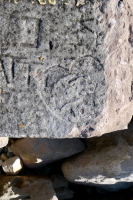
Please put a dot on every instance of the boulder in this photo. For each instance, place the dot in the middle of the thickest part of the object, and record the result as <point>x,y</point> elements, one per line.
<point>65,68</point>
<point>3,141</point>
<point>12,166</point>
<point>26,187</point>
<point>37,152</point>
<point>106,163</point>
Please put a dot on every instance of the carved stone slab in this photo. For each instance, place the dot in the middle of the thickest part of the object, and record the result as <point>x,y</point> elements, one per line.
<point>56,68</point>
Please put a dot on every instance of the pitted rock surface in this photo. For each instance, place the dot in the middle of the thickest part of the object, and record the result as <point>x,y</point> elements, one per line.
<point>53,79</point>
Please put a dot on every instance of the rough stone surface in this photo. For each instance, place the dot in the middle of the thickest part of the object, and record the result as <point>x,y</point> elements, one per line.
<point>65,67</point>
<point>107,162</point>
<point>12,166</point>
<point>26,187</point>
<point>36,152</point>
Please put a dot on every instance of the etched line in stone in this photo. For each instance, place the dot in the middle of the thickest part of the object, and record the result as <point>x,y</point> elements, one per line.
<point>27,45</point>
<point>131,98</point>
<point>13,64</point>
<point>7,64</point>
<point>0,94</point>
<point>39,34</point>
<point>4,71</point>
<point>29,70</point>
<point>13,57</point>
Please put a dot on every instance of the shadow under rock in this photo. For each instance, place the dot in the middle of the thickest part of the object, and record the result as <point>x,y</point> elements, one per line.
<point>82,192</point>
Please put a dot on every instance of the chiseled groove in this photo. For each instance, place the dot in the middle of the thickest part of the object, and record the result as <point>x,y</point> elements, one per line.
<point>4,71</point>
<point>13,72</point>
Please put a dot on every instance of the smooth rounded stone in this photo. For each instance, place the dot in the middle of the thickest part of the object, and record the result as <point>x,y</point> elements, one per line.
<point>37,152</point>
<point>26,187</point>
<point>106,163</point>
<point>3,140</point>
<point>12,166</point>
<point>65,67</point>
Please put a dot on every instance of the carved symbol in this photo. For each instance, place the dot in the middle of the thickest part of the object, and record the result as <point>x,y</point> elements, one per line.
<point>15,73</point>
<point>7,67</point>
<point>71,93</point>
<point>28,32</point>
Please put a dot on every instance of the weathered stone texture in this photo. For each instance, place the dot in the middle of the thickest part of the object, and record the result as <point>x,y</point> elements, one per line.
<point>106,163</point>
<point>26,187</point>
<point>65,69</point>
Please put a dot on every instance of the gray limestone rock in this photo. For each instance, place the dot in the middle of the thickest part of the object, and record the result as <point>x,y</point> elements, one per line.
<point>65,67</point>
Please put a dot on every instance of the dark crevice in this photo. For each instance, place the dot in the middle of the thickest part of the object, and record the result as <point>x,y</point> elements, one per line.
<point>50,45</point>
<point>13,72</point>
<point>76,2</point>
<point>29,70</point>
<point>130,36</point>
<point>120,3</point>
<point>132,88</point>
<point>72,112</point>
<point>46,82</point>
<point>39,34</point>
<point>23,197</point>
<point>74,79</point>
<point>130,125</point>
<point>131,97</point>
<point>82,111</point>
<point>84,133</point>
<point>91,129</point>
